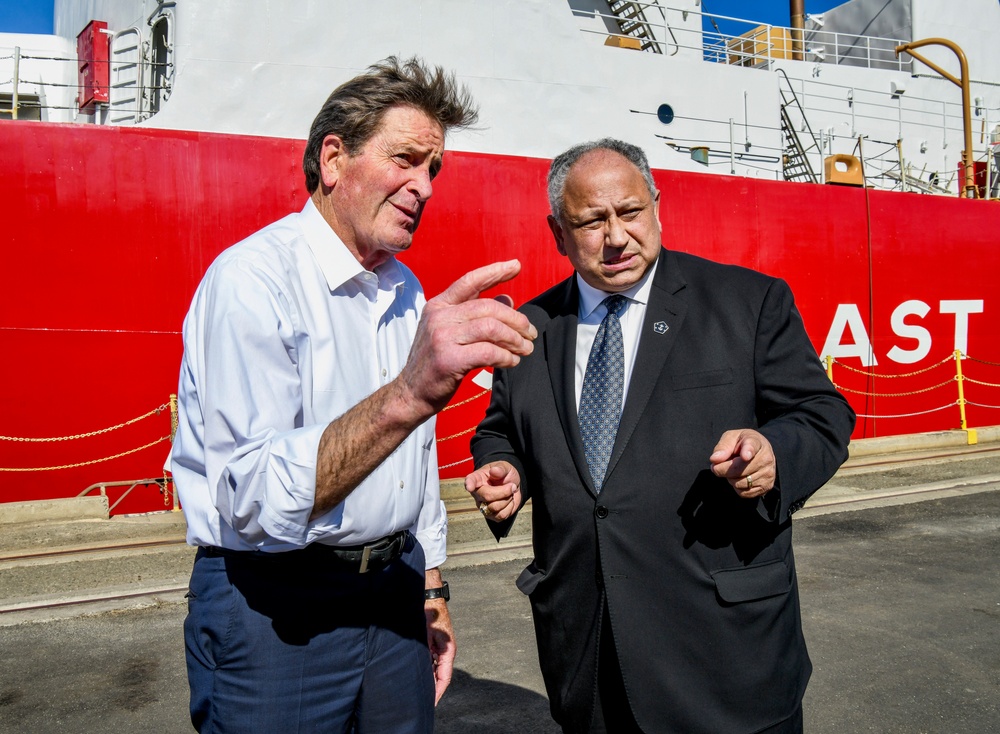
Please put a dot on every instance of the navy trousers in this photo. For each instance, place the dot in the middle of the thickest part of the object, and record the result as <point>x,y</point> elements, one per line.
<point>612,711</point>
<point>286,644</point>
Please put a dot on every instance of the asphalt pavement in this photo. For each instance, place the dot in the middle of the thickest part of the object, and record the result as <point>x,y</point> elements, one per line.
<point>900,602</point>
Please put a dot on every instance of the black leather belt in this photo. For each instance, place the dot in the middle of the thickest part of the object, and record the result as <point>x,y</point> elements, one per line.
<point>354,558</point>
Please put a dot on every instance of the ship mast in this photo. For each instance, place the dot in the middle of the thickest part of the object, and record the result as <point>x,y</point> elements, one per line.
<point>797,10</point>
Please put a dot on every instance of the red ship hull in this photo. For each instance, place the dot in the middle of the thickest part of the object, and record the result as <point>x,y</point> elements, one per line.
<point>108,231</point>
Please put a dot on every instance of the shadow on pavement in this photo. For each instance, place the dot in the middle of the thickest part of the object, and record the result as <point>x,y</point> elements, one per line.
<point>489,707</point>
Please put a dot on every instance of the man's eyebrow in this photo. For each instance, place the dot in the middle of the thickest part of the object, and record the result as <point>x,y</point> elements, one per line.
<point>588,213</point>
<point>424,151</point>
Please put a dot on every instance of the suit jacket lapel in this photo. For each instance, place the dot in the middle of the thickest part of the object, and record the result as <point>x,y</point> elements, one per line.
<point>666,307</point>
<point>560,355</point>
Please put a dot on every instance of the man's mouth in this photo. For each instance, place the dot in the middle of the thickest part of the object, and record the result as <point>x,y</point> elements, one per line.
<point>411,215</point>
<point>619,262</point>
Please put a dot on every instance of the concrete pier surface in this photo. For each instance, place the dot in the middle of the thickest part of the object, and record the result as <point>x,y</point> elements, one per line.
<point>899,573</point>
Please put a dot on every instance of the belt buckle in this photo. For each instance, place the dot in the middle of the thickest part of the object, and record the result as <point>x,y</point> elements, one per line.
<point>366,553</point>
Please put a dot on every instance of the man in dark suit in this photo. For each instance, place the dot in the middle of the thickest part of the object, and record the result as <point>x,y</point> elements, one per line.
<point>665,438</point>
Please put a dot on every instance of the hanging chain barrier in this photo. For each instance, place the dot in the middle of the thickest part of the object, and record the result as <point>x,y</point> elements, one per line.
<point>466,432</point>
<point>88,434</point>
<point>171,405</point>
<point>463,402</point>
<point>957,357</point>
<point>901,374</point>
<point>982,361</point>
<point>92,461</point>
<point>958,378</point>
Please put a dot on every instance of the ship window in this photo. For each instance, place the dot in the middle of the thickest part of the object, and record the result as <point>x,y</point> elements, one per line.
<point>159,81</point>
<point>29,107</point>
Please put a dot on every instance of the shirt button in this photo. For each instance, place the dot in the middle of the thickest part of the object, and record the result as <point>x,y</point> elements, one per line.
<point>384,373</point>
<point>400,485</point>
<point>601,512</point>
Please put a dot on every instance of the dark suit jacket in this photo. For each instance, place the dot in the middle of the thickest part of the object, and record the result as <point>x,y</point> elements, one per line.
<point>700,584</point>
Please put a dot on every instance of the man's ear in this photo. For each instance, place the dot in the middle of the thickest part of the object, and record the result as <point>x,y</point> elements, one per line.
<point>656,211</point>
<point>557,232</point>
<point>332,155</point>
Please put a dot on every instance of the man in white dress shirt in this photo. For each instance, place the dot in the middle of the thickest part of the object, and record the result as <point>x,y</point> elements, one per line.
<point>305,454</point>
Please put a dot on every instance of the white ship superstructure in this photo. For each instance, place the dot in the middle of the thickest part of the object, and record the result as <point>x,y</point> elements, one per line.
<point>765,101</point>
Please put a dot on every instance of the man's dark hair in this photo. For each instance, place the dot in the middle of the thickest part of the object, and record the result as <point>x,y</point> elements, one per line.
<point>355,109</point>
<point>559,170</point>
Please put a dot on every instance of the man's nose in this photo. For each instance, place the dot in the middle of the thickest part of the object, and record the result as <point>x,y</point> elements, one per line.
<point>420,184</point>
<point>617,236</point>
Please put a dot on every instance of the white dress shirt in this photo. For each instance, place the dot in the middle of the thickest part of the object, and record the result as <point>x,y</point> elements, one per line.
<point>286,332</point>
<point>592,312</point>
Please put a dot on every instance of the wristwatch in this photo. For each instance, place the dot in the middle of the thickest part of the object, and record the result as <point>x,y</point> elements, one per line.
<point>440,592</point>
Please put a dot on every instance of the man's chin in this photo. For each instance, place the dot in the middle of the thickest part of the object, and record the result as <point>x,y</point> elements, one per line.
<point>398,244</point>
<point>404,245</point>
<point>621,280</point>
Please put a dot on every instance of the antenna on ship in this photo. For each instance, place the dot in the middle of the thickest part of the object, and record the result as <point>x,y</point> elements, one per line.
<point>711,19</point>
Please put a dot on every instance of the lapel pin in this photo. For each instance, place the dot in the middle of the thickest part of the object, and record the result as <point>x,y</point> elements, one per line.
<point>660,327</point>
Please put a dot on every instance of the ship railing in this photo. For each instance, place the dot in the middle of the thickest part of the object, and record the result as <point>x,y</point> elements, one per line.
<point>164,484</point>
<point>745,42</point>
<point>958,383</point>
<point>37,90</point>
<point>763,44</point>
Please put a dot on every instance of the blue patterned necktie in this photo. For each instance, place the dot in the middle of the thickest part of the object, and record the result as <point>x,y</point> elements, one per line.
<point>601,398</point>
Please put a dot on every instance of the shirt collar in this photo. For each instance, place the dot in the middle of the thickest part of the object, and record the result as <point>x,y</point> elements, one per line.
<point>591,298</point>
<point>337,262</point>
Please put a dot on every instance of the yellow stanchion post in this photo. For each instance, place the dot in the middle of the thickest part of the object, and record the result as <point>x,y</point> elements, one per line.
<point>970,433</point>
<point>173,417</point>
<point>829,366</point>
<point>169,481</point>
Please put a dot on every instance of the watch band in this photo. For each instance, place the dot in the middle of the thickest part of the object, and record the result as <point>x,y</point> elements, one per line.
<point>441,592</point>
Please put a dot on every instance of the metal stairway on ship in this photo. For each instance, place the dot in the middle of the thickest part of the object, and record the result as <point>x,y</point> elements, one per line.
<point>795,158</point>
<point>632,22</point>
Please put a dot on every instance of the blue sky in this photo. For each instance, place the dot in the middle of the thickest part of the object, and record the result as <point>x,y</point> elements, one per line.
<point>35,16</point>
<point>25,16</point>
<point>774,12</point>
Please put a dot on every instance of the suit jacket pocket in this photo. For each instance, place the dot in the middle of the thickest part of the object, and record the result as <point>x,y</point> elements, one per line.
<point>702,379</point>
<point>529,579</point>
<point>736,585</point>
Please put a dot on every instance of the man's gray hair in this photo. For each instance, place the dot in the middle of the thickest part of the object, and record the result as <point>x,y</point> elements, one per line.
<point>354,111</point>
<point>559,170</point>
